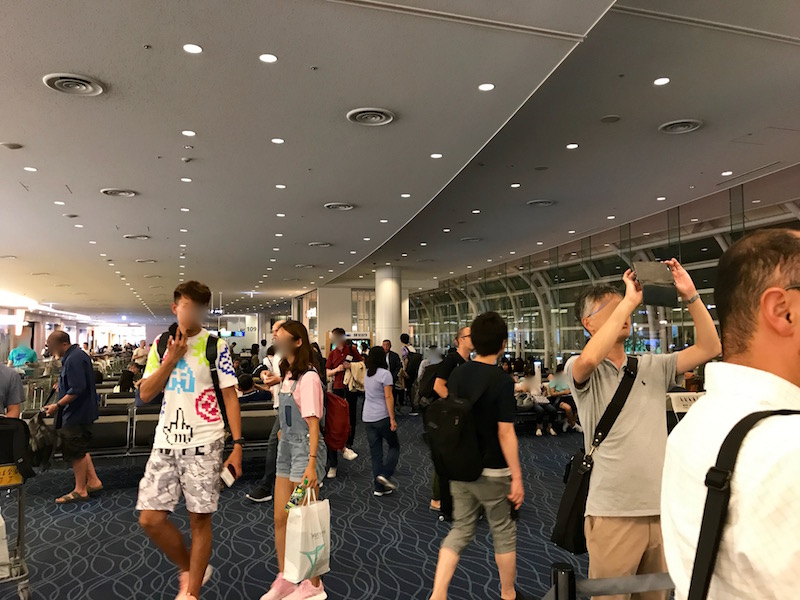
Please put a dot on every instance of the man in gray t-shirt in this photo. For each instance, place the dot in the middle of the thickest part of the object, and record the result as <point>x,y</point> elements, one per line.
<point>12,394</point>
<point>623,527</point>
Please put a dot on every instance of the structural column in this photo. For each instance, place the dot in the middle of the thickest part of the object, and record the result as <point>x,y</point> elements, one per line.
<point>388,305</point>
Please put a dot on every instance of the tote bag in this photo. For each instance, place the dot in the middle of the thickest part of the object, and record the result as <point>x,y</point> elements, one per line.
<point>308,540</point>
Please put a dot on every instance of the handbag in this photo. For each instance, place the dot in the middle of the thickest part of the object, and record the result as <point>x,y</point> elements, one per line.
<point>715,512</point>
<point>308,540</point>
<point>568,532</point>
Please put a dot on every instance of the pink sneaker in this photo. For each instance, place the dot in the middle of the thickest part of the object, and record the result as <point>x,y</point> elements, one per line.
<point>307,591</point>
<point>279,589</point>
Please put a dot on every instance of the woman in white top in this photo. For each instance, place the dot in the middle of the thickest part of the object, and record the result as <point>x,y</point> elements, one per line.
<point>379,421</point>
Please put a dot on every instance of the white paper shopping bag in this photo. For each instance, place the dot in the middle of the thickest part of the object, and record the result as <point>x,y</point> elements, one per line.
<point>308,540</point>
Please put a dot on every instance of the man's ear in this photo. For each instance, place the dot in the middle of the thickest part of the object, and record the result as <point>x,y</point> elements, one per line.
<point>776,312</point>
<point>585,323</point>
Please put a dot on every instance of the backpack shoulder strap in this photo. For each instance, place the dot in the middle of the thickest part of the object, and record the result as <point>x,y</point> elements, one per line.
<point>211,356</point>
<point>161,348</point>
<point>715,513</point>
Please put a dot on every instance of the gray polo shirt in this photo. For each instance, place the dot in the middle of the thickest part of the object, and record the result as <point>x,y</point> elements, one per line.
<point>11,390</point>
<point>626,478</point>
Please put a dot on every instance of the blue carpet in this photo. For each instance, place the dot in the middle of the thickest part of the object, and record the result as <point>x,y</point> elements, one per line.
<point>383,548</point>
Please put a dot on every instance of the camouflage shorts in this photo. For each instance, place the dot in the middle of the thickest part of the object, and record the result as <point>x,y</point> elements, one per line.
<point>193,472</point>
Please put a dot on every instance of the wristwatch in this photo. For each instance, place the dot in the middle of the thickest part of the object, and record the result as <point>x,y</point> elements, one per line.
<point>693,298</point>
<point>240,441</point>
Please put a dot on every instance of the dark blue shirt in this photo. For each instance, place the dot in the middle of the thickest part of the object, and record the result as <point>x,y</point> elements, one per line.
<point>77,378</point>
<point>256,396</point>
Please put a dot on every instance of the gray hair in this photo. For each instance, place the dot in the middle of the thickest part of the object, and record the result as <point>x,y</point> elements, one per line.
<point>590,296</point>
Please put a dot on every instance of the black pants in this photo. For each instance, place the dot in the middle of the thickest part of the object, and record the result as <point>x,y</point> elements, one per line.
<point>267,483</point>
<point>352,402</point>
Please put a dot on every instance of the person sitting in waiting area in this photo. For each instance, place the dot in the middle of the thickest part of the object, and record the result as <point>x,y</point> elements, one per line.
<point>127,381</point>
<point>250,393</point>
<point>21,356</point>
<point>561,396</point>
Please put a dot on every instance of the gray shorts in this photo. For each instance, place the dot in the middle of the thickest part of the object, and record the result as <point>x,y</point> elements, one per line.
<point>193,472</point>
<point>293,452</point>
<point>468,498</point>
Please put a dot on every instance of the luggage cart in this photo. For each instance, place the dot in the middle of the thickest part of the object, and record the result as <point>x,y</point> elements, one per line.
<point>11,482</point>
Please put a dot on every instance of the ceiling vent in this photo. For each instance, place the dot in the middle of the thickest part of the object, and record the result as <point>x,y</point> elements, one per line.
<point>119,193</point>
<point>136,236</point>
<point>302,266</point>
<point>291,279</point>
<point>540,203</point>
<point>8,257</point>
<point>371,117</point>
<point>74,85</point>
<point>62,285</point>
<point>10,145</point>
<point>424,260</point>
<point>681,126</point>
<point>319,244</point>
<point>471,240</point>
<point>146,261</point>
<point>40,274</point>
<point>153,276</point>
<point>69,216</point>
<point>610,119</point>
<point>339,206</point>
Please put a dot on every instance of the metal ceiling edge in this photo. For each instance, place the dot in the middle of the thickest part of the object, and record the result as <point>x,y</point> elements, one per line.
<point>463,19</point>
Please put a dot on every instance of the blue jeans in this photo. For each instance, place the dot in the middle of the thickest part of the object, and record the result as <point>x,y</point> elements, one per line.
<point>377,432</point>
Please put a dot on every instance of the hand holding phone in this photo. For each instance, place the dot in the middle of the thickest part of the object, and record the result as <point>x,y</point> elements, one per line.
<point>228,475</point>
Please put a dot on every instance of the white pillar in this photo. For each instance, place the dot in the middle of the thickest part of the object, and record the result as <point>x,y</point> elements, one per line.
<point>388,305</point>
<point>404,310</point>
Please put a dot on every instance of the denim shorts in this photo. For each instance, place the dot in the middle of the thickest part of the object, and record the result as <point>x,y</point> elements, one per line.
<point>293,453</point>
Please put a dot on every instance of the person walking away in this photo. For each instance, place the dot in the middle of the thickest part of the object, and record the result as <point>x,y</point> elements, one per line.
<point>623,527</point>
<point>758,304</point>
<point>301,449</point>
<point>190,437</point>
<point>76,411</point>
<point>379,421</point>
<point>339,360</point>
<point>395,366</point>
<point>499,489</point>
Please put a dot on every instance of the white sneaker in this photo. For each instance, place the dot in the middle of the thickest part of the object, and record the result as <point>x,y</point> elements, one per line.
<point>386,482</point>
<point>385,492</point>
<point>332,473</point>
<point>183,579</point>
<point>348,454</point>
<point>565,426</point>
<point>539,433</point>
<point>577,428</point>
<point>552,431</point>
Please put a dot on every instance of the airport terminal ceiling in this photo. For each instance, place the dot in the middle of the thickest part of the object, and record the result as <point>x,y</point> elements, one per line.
<point>267,98</point>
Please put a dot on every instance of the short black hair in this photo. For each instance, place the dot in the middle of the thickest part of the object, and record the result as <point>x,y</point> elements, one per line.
<point>404,338</point>
<point>766,258</point>
<point>590,295</point>
<point>390,342</point>
<point>263,342</point>
<point>489,333</point>
<point>338,330</point>
<point>245,382</point>
<point>197,292</point>
<point>560,368</point>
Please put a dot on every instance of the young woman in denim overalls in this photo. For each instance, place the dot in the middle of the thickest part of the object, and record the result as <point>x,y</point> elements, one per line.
<point>301,449</point>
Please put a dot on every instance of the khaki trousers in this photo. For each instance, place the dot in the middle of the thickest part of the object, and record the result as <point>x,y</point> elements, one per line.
<point>621,546</point>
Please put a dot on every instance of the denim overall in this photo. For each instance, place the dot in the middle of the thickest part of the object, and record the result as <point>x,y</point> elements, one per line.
<point>294,447</point>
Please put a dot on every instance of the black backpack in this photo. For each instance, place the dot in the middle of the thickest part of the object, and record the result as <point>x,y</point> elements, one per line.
<point>211,356</point>
<point>427,381</point>
<point>452,430</point>
<point>413,361</point>
<point>15,446</point>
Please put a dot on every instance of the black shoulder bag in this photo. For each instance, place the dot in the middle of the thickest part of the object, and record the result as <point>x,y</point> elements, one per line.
<point>568,532</point>
<point>715,513</point>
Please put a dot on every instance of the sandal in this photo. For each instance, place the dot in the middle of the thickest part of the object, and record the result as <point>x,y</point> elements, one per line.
<point>94,490</point>
<point>71,498</point>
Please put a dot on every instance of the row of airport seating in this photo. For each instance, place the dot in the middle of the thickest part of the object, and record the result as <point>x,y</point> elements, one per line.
<point>124,430</point>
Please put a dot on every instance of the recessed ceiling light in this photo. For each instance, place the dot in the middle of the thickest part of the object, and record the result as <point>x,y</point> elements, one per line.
<point>436,155</point>
<point>272,260</point>
<point>512,253</point>
<point>645,233</point>
<point>703,249</point>
<point>330,270</point>
<point>488,260</point>
<point>122,278</point>
<point>423,243</point>
<point>111,264</point>
<point>184,230</point>
<point>727,173</point>
<point>181,273</point>
<point>476,212</point>
<point>276,249</point>
<point>486,87</point>
<point>756,201</point>
<point>661,198</point>
<point>59,203</point>
<point>183,245</point>
<point>539,243</point>
<point>695,220</point>
<point>280,215</point>
<point>571,231</point>
<point>572,146</point>
<point>661,81</point>
<point>352,251</point>
<point>469,266</point>
<point>278,235</point>
<point>404,254</point>
<point>384,221</point>
<point>446,230</point>
<point>405,195</point>
<point>362,277</point>
<point>192,48</point>
<point>277,140</point>
<point>451,272</point>
<point>92,242</point>
<point>268,58</point>
<point>341,262</point>
<point>184,209</point>
<point>78,225</point>
<point>182,266</point>
<point>515,185</point>
<point>280,186</point>
<point>366,239</point>
<point>611,217</point>
<point>30,169</point>
<point>186,180</point>
<point>188,133</point>
<point>117,272</point>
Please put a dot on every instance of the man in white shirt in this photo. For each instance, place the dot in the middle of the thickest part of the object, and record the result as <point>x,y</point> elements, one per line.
<point>140,355</point>
<point>190,438</point>
<point>623,533</point>
<point>758,304</point>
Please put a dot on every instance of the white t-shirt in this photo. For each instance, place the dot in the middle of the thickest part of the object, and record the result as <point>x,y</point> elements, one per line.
<point>190,413</point>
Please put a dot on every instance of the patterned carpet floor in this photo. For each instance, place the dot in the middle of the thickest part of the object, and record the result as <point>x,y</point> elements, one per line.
<point>383,548</point>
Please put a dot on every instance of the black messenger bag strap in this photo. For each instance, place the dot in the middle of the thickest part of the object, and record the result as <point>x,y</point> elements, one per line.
<point>615,407</point>
<point>715,513</point>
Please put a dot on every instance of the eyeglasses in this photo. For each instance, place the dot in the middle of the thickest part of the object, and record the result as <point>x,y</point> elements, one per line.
<point>794,286</point>
<point>598,310</point>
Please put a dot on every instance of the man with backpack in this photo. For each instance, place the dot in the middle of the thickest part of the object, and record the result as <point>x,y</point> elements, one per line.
<point>195,372</point>
<point>339,361</point>
<point>473,440</point>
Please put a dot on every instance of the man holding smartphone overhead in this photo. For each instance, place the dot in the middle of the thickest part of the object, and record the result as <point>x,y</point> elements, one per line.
<point>190,436</point>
